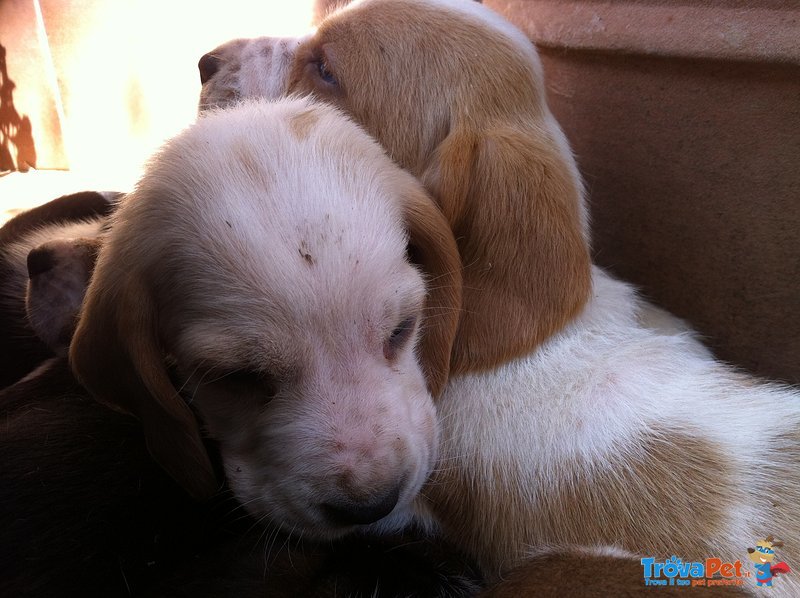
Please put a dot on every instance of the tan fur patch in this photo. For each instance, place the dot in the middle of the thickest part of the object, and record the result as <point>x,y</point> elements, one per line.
<point>670,495</point>
<point>302,123</point>
<point>576,574</point>
<point>254,170</point>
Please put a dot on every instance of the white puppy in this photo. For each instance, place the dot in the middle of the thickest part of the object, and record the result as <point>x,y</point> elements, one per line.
<point>259,273</point>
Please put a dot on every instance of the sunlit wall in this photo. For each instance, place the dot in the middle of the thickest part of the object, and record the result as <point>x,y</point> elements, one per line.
<point>121,74</point>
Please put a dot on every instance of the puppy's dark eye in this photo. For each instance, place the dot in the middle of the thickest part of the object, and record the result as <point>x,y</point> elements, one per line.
<point>398,338</point>
<point>324,72</point>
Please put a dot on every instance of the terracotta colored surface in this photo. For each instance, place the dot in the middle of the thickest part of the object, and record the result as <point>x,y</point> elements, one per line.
<point>30,129</point>
<point>690,147</point>
<point>753,30</point>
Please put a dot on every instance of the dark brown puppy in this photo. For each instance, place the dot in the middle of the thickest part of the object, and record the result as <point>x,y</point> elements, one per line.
<point>82,505</point>
<point>75,215</point>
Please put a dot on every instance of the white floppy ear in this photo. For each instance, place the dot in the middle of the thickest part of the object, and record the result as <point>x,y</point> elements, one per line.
<point>514,206</point>
<point>116,355</point>
<point>433,248</point>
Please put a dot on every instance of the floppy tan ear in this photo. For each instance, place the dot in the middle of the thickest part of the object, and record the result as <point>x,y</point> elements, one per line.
<point>116,355</point>
<point>433,248</point>
<point>514,206</point>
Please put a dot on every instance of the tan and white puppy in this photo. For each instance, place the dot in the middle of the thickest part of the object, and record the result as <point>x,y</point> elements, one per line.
<point>577,413</point>
<point>260,274</point>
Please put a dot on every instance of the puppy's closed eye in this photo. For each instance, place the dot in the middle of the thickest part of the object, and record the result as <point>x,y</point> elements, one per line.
<point>399,337</point>
<point>243,379</point>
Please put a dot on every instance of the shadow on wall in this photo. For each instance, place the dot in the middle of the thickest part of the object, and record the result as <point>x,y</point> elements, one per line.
<point>16,133</point>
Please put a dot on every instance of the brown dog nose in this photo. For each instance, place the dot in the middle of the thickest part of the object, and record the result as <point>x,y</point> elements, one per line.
<point>208,65</point>
<point>352,512</point>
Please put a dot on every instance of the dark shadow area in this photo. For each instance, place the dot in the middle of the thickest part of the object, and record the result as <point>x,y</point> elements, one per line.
<point>17,150</point>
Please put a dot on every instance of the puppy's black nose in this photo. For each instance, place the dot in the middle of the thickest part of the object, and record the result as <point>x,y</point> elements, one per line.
<point>352,512</point>
<point>209,64</point>
<point>40,260</point>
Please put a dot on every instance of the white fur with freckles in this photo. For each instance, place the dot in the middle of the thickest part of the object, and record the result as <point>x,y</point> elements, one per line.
<point>275,243</point>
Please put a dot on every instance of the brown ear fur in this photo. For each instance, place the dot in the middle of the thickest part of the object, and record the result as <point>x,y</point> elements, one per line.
<point>433,248</point>
<point>514,208</point>
<point>115,354</point>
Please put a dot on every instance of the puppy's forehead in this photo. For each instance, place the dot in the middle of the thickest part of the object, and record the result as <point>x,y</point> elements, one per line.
<point>265,173</point>
<point>278,214</point>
